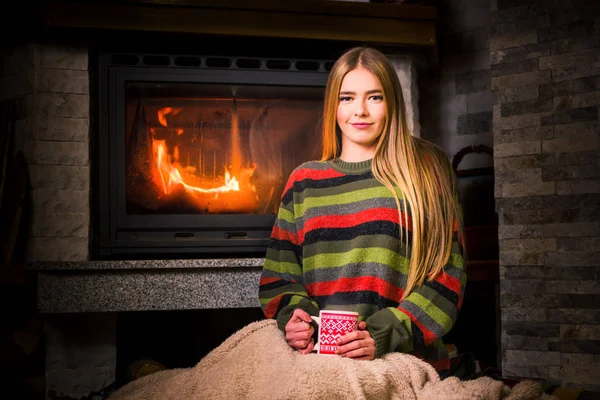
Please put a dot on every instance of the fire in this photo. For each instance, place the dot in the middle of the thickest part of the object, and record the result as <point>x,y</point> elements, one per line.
<point>170,173</point>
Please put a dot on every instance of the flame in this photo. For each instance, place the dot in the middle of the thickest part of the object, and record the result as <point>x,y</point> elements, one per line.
<point>171,173</point>
<point>163,112</point>
<point>162,115</point>
<point>171,176</point>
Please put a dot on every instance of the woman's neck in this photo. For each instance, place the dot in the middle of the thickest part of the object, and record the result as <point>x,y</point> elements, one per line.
<point>357,154</point>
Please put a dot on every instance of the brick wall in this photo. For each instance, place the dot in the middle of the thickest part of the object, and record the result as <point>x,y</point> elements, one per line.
<point>406,67</point>
<point>456,101</point>
<point>50,84</point>
<point>545,77</point>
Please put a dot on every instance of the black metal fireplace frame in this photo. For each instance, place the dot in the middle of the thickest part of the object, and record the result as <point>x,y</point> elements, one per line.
<point>119,235</point>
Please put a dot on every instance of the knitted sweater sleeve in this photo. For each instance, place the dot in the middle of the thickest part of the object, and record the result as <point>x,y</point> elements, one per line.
<point>426,314</point>
<point>281,289</point>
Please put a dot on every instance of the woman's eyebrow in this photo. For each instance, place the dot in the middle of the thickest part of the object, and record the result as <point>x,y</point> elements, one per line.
<point>367,92</point>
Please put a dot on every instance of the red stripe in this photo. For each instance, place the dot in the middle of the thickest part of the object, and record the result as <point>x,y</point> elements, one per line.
<point>428,336</point>
<point>264,280</point>
<point>350,220</point>
<point>271,307</point>
<point>450,282</point>
<point>314,174</point>
<point>371,283</point>
<point>281,234</point>
<point>301,235</point>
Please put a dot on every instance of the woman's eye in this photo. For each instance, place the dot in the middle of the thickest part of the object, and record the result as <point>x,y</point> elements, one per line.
<point>377,97</point>
<point>345,98</point>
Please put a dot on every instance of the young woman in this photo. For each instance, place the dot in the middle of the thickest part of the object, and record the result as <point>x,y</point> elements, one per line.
<point>372,227</point>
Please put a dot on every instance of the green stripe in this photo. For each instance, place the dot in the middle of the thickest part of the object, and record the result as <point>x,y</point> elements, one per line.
<point>441,302</point>
<point>297,299</point>
<point>402,320</point>
<point>340,246</point>
<point>296,289</point>
<point>286,215</point>
<point>456,260</point>
<point>282,267</point>
<point>369,254</point>
<point>340,189</point>
<point>431,310</point>
<point>401,317</point>
<point>283,256</point>
<point>342,198</point>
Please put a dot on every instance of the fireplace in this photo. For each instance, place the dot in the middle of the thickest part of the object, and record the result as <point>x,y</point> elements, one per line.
<point>193,151</point>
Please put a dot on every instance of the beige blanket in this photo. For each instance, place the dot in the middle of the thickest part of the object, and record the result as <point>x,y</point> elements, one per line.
<point>257,363</point>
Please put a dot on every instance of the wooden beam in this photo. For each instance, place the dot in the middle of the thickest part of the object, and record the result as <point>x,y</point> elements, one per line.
<point>209,19</point>
<point>327,7</point>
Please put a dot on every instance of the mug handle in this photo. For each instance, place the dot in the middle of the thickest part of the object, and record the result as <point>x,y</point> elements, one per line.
<point>318,321</point>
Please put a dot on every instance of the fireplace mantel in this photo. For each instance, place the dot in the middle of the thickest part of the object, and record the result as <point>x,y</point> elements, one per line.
<point>146,285</point>
<point>385,24</point>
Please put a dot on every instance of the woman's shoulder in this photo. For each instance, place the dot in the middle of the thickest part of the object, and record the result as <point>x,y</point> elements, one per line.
<point>318,165</point>
<point>310,169</point>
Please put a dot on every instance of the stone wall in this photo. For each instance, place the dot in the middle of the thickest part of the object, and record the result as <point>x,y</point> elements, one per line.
<point>406,67</point>
<point>546,83</point>
<point>455,98</point>
<point>51,86</point>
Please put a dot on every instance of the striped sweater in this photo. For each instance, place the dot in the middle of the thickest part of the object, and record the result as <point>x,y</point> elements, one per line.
<point>335,245</point>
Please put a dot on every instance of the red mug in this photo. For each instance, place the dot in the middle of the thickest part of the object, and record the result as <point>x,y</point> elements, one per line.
<point>333,324</point>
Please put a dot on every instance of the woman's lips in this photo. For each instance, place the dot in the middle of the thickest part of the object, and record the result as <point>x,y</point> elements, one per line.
<point>361,125</point>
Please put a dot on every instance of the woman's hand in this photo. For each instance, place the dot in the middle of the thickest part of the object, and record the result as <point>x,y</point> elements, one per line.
<point>358,345</point>
<point>299,331</point>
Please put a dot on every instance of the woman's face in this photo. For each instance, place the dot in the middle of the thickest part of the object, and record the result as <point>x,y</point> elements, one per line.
<point>361,114</point>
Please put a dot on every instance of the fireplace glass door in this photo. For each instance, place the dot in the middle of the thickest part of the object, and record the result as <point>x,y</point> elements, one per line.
<point>195,159</point>
<point>215,148</point>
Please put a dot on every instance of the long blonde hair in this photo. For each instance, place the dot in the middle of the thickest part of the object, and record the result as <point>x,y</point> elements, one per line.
<point>417,169</point>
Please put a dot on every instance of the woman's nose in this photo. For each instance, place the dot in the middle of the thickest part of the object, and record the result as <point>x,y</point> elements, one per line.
<point>360,109</point>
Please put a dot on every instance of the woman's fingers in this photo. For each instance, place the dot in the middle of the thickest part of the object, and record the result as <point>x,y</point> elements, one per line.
<point>299,331</point>
<point>302,330</point>
<point>302,335</point>
<point>301,340</point>
<point>357,345</point>
<point>306,349</point>
<point>300,315</point>
<point>358,353</point>
<point>352,336</point>
<point>354,345</point>
<point>358,350</point>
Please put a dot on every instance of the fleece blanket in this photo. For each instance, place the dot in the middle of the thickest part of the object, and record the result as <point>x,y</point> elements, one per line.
<point>257,363</point>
